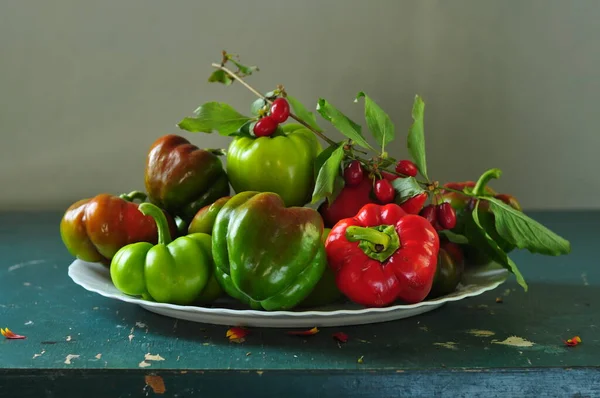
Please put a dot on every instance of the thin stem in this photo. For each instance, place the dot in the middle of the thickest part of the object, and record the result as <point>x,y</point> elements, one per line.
<point>162,226</point>
<point>239,79</point>
<point>249,87</point>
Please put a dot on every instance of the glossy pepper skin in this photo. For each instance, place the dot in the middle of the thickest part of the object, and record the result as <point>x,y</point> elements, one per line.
<point>450,269</point>
<point>174,272</point>
<point>326,290</point>
<point>382,255</point>
<point>182,178</point>
<point>204,220</point>
<point>266,255</point>
<point>282,163</point>
<point>94,229</point>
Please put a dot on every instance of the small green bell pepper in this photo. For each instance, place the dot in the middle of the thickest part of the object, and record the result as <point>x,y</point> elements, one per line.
<point>175,272</point>
<point>204,220</point>
<point>266,255</point>
<point>282,163</point>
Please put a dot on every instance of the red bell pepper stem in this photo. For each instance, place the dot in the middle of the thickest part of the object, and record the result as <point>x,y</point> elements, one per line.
<point>379,243</point>
<point>479,189</point>
<point>133,195</point>
<point>355,234</point>
<point>148,209</point>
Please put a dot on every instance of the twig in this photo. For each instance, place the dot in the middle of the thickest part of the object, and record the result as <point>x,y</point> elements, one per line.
<point>249,87</point>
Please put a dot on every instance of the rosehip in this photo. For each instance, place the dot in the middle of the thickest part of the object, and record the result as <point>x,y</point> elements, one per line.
<point>384,192</point>
<point>265,127</point>
<point>446,216</point>
<point>353,174</point>
<point>407,168</point>
<point>430,214</point>
<point>280,110</point>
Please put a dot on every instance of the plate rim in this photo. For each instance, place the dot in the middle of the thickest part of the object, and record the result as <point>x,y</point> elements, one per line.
<point>268,314</point>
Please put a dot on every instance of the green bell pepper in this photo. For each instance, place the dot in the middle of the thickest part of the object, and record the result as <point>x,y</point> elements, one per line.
<point>175,272</point>
<point>204,220</point>
<point>326,290</point>
<point>282,163</point>
<point>266,255</point>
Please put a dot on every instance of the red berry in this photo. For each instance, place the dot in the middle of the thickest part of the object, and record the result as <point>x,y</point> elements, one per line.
<point>280,110</point>
<point>265,127</point>
<point>429,213</point>
<point>407,168</point>
<point>353,174</point>
<point>384,192</point>
<point>446,216</point>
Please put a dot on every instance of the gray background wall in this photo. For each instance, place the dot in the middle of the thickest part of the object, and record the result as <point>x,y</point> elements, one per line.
<point>87,86</point>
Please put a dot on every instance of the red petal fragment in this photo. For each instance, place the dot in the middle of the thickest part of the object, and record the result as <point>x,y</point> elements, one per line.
<point>7,333</point>
<point>341,337</point>
<point>304,332</point>
<point>237,334</point>
<point>573,342</point>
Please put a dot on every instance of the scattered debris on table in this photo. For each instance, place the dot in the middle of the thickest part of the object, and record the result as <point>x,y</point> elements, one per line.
<point>341,337</point>
<point>451,345</point>
<point>515,341</point>
<point>572,342</point>
<point>38,355</point>
<point>7,333</point>
<point>237,334</point>
<point>308,332</point>
<point>70,357</point>
<point>156,383</point>
<point>481,333</point>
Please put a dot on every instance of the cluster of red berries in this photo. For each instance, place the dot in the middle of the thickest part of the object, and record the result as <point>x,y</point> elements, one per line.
<point>278,113</point>
<point>441,216</point>
<point>383,189</point>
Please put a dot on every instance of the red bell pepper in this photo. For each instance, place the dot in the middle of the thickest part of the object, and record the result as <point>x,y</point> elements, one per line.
<point>383,254</point>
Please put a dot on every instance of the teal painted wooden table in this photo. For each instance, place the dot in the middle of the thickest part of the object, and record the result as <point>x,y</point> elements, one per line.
<point>81,344</point>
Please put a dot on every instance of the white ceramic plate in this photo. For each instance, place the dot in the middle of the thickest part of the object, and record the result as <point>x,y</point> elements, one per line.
<point>96,278</point>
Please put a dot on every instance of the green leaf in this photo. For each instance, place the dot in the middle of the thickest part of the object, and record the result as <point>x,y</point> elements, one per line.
<point>406,188</point>
<point>322,158</point>
<point>454,237</point>
<point>220,76</point>
<point>257,106</point>
<point>325,183</point>
<point>338,185</point>
<point>416,137</point>
<point>524,232</point>
<point>342,123</point>
<point>379,122</point>
<point>214,116</point>
<point>478,237</point>
<point>300,110</point>
<point>246,70</point>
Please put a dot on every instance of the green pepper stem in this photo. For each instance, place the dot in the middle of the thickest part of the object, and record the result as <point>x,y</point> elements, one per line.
<point>133,195</point>
<point>355,234</point>
<point>479,189</point>
<point>378,243</point>
<point>148,209</point>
